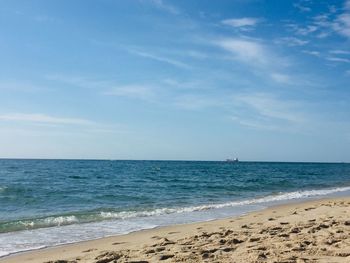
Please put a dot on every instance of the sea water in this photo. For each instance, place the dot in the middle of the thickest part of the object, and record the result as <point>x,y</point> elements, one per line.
<point>50,202</point>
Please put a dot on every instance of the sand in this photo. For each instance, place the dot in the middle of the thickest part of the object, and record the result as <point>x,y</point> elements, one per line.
<point>316,231</point>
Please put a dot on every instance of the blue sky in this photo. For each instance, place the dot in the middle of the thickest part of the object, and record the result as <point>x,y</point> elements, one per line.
<point>189,80</point>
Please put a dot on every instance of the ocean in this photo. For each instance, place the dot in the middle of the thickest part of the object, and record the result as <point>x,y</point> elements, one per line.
<point>45,203</point>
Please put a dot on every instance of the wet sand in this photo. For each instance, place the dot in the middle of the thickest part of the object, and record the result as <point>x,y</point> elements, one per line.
<point>314,231</point>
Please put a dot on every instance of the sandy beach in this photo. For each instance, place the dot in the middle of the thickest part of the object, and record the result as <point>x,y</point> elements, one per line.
<point>314,231</point>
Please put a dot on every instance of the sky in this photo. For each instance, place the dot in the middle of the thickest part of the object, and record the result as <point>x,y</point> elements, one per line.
<point>175,80</point>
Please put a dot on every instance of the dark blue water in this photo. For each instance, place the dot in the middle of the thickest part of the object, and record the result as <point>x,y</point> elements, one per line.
<point>43,194</point>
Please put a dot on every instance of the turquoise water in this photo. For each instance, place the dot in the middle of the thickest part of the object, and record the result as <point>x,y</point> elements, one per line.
<point>50,202</point>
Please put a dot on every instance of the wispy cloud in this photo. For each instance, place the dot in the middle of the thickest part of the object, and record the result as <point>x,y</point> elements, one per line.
<point>304,31</point>
<point>342,25</point>
<point>257,56</point>
<point>337,59</point>
<point>281,78</point>
<point>256,124</point>
<point>41,124</point>
<point>291,41</point>
<point>347,5</point>
<point>156,56</point>
<point>185,85</point>
<point>46,19</point>
<point>268,112</point>
<point>327,24</point>
<point>22,86</point>
<point>301,7</point>
<point>339,52</point>
<point>79,81</point>
<point>244,22</point>
<point>142,92</point>
<point>162,5</point>
<point>169,61</point>
<point>312,53</point>
<point>196,54</point>
<point>196,102</point>
<point>248,51</point>
<point>43,118</point>
<point>269,106</point>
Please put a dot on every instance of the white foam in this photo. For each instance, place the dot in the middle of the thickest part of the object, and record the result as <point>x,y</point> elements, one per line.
<point>125,222</point>
<point>267,199</point>
<point>124,215</point>
<point>60,220</point>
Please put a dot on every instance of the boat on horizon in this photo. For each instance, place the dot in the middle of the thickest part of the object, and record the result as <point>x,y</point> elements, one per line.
<point>232,160</point>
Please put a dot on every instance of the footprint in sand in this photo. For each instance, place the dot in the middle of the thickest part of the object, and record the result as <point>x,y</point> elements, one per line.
<point>164,257</point>
<point>118,243</point>
<point>254,239</point>
<point>309,208</point>
<point>89,250</point>
<point>174,232</point>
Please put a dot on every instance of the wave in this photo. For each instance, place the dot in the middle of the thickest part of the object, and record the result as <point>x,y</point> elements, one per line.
<point>2,254</point>
<point>261,200</point>
<point>6,253</point>
<point>61,220</point>
<point>27,224</point>
<point>3,188</point>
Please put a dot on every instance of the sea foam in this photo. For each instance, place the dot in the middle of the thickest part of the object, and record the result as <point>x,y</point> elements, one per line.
<point>63,220</point>
<point>67,228</point>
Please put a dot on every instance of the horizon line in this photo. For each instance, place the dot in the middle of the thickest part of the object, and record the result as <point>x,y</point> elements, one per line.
<point>164,160</point>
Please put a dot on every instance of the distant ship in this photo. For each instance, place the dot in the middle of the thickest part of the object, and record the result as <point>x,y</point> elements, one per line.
<point>233,160</point>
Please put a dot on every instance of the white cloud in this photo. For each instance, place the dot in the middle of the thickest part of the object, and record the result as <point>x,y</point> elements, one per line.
<point>160,4</point>
<point>339,24</point>
<point>337,59</point>
<point>306,30</point>
<point>302,8</point>
<point>340,52</point>
<point>267,105</point>
<point>185,85</point>
<point>256,124</point>
<point>43,118</point>
<point>312,52</point>
<point>248,51</point>
<point>342,25</point>
<point>45,18</point>
<point>291,41</point>
<point>266,111</point>
<point>241,22</point>
<point>323,34</point>
<point>281,78</point>
<point>195,102</point>
<point>257,56</point>
<point>79,81</point>
<point>196,54</point>
<point>160,59</point>
<point>142,92</point>
<point>347,5</point>
<point>22,86</point>
<point>336,20</point>
<point>321,20</point>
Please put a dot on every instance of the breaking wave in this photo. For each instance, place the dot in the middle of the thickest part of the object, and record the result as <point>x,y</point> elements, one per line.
<point>61,220</point>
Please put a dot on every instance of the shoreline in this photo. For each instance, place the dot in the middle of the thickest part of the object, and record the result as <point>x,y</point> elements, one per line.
<point>167,239</point>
